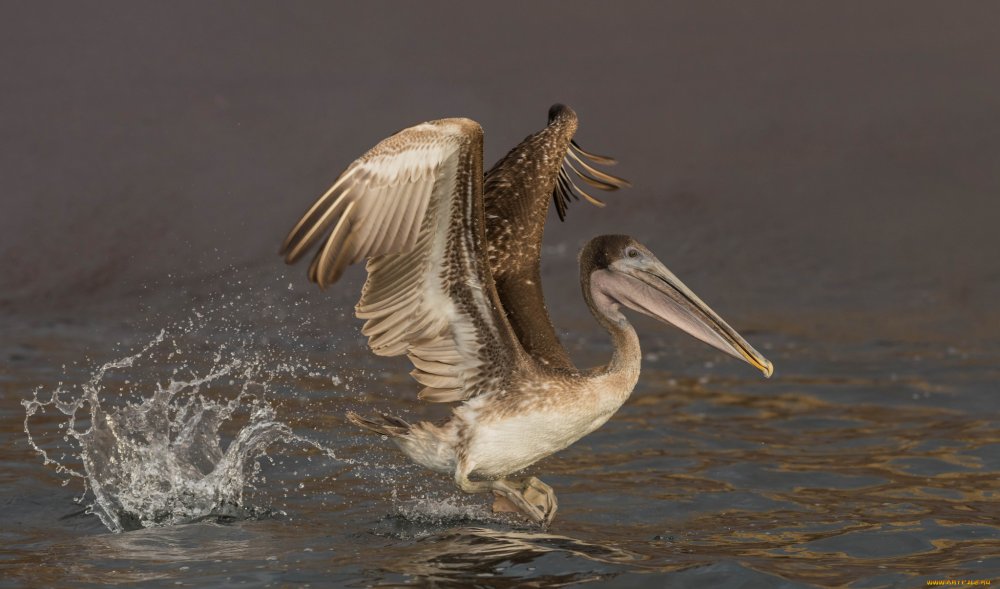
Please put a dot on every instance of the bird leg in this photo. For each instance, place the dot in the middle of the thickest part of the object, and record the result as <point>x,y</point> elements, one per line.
<point>531,496</point>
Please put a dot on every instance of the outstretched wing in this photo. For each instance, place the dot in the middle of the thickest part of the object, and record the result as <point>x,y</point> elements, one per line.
<point>517,194</point>
<point>413,207</point>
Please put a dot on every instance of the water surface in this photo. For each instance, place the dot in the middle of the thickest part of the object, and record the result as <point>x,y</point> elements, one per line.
<point>856,465</point>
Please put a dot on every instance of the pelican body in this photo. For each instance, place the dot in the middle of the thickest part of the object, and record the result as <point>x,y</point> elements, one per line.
<point>453,261</point>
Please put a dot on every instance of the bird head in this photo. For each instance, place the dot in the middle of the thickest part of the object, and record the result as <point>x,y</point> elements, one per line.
<point>621,272</point>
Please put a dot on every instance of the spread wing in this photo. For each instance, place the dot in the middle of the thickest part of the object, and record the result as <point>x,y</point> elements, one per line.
<point>517,194</point>
<point>413,207</point>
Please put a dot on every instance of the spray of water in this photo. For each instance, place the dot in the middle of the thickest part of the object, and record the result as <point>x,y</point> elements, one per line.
<point>171,453</point>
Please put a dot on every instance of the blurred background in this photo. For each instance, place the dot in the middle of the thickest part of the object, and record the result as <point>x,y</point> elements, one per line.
<point>795,163</point>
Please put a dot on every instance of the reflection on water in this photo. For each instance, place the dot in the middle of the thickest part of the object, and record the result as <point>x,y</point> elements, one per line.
<point>459,556</point>
<point>878,469</point>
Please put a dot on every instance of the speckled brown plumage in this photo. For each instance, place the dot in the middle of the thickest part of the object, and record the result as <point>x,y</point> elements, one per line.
<point>518,190</point>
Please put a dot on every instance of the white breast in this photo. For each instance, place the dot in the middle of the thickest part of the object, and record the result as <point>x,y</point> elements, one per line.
<point>499,447</point>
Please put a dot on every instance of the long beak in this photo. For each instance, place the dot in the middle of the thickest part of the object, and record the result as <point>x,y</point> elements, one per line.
<point>663,296</point>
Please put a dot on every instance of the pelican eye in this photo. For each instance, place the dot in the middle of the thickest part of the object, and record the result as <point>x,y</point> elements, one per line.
<point>632,252</point>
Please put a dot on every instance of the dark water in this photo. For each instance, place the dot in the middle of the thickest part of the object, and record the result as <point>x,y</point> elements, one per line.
<point>859,464</point>
<point>824,176</point>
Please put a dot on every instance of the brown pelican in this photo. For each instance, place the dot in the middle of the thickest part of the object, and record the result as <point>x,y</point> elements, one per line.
<point>454,283</point>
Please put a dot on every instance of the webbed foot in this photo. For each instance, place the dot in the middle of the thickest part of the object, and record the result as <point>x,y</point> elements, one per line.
<point>530,496</point>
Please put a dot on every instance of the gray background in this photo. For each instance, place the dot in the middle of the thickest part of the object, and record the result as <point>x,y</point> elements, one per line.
<point>789,157</point>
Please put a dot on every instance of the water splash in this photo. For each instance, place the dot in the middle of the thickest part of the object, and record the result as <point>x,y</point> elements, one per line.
<point>161,459</point>
<point>440,511</point>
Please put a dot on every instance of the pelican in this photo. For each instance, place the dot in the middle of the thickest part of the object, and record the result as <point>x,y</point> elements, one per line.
<point>454,284</point>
